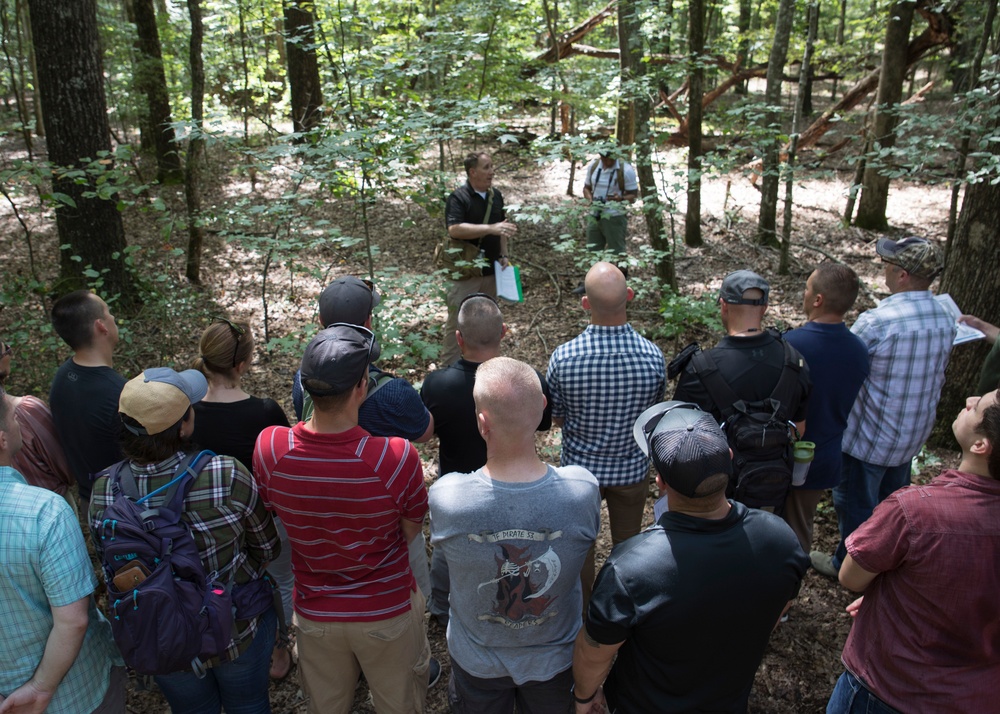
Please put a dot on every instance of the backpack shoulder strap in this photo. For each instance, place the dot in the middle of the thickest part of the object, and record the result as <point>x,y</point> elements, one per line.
<point>380,381</point>
<point>588,178</point>
<point>707,371</point>
<point>176,490</point>
<point>784,391</point>
<point>489,206</point>
<point>122,479</point>
<point>621,176</point>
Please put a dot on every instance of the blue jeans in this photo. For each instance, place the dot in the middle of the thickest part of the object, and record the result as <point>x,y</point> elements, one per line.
<point>241,686</point>
<point>851,696</point>
<point>862,487</point>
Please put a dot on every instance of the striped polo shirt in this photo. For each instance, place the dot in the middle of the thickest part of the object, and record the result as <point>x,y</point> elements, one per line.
<point>341,497</point>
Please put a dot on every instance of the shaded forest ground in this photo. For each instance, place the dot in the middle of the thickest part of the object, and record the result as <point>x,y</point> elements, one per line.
<point>803,659</point>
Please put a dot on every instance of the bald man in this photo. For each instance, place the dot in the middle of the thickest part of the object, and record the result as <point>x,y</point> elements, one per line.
<point>516,533</point>
<point>448,395</point>
<point>600,382</point>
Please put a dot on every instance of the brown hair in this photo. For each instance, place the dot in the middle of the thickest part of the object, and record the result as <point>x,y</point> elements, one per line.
<point>73,318</point>
<point>222,348</point>
<point>838,285</point>
<point>989,426</point>
<point>152,448</point>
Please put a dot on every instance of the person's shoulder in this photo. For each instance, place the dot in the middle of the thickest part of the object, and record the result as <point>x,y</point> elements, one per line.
<point>575,475</point>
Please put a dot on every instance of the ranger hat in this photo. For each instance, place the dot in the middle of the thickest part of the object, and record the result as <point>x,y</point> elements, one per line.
<point>917,256</point>
<point>159,398</point>
<point>686,445</point>
<point>738,282</point>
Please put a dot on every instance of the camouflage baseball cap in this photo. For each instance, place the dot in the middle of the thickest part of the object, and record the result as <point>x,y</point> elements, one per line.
<point>917,256</point>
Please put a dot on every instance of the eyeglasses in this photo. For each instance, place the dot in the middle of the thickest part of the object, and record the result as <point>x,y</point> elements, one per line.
<point>5,350</point>
<point>363,330</point>
<point>238,332</point>
<point>478,295</point>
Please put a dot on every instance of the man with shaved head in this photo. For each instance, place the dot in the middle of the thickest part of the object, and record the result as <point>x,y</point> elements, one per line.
<point>515,534</point>
<point>600,382</point>
<point>447,393</point>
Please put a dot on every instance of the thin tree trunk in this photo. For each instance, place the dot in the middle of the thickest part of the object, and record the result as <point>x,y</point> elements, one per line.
<point>696,88</point>
<point>196,146</point>
<point>766,225</point>
<point>805,71</point>
<point>153,82</point>
<point>875,189</point>
<point>628,33</point>
<point>303,67</point>
<point>70,77</point>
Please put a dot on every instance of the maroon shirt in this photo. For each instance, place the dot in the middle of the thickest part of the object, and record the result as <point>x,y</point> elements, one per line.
<point>927,637</point>
<point>41,459</point>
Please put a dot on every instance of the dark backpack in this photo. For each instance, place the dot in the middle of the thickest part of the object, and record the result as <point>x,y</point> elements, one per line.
<point>759,432</point>
<point>166,614</point>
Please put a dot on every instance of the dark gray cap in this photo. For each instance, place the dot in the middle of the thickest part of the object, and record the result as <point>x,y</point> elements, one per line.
<point>738,282</point>
<point>348,299</point>
<point>917,256</point>
<point>336,359</point>
<point>685,444</point>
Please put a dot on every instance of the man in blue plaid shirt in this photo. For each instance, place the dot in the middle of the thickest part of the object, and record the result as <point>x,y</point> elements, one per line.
<point>600,382</point>
<point>909,337</point>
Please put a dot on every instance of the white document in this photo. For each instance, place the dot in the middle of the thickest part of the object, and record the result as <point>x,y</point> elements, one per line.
<point>508,282</point>
<point>966,333</point>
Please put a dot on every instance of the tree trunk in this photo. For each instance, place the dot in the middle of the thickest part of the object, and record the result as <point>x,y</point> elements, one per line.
<point>766,234</point>
<point>743,25</point>
<point>628,35</point>
<point>196,147</point>
<point>303,69</point>
<point>70,79</point>
<point>153,82</point>
<point>696,89</point>
<point>971,278</point>
<point>875,188</point>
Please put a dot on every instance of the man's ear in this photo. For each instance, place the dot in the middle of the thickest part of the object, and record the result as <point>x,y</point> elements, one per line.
<point>981,447</point>
<point>585,302</point>
<point>483,422</point>
<point>504,330</point>
<point>629,294</point>
<point>187,424</point>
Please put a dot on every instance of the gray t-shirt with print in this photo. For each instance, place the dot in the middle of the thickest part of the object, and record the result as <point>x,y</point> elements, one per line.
<point>515,551</point>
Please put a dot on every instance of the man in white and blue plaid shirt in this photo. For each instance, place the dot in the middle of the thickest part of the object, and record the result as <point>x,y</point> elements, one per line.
<point>600,382</point>
<point>909,338</point>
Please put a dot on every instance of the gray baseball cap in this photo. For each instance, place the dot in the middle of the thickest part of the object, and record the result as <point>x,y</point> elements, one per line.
<point>738,282</point>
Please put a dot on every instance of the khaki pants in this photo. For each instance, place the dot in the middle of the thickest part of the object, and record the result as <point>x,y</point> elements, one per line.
<point>458,291</point>
<point>625,508</point>
<point>394,655</point>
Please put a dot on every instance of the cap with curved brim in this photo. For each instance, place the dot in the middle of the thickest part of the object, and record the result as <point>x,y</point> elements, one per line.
<point>685,444</point>
<point>160,397</point>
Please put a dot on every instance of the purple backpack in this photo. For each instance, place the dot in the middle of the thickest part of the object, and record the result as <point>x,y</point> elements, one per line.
<point>166,614</point>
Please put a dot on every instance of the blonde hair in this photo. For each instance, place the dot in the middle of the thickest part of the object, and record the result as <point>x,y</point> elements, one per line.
<point>222,348</point>
<point>511,393</point>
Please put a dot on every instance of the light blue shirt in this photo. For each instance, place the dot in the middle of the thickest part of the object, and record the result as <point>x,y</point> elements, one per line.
<point>909,338</point>
<point>44,564</point>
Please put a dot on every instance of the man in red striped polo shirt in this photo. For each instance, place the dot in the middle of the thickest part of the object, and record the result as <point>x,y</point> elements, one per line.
<point>350,502</point>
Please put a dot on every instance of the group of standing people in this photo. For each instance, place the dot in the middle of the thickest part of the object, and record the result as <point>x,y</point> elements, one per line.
<point>333,508</point>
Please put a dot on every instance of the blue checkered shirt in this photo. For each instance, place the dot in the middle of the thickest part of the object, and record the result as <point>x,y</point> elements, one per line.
<point>44,564</point>
<point>909,338</point>
<point>600,382</point>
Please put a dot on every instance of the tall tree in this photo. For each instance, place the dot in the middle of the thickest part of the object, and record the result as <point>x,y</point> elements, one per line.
<point>696,91</point>
<point>767,222</point>
<point>972,279</point>
<point>303,69</point>
<point>152,81</point>
<point>70,80</point>
<point>628,34</point>
<point>875,187</point>
<point>196,146</point>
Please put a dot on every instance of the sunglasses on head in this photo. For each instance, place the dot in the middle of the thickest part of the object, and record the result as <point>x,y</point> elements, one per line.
<point>238,332</point>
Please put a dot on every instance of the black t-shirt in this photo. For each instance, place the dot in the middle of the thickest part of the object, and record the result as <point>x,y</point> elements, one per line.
<point>695,601</point>
<point>231,428</point>
<point>466,206</point>
<point>447,393</point>
<point>84,403</point>
<point>751,366</point>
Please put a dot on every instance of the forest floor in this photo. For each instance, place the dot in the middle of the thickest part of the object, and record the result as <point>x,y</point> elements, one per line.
<point>803,658</point>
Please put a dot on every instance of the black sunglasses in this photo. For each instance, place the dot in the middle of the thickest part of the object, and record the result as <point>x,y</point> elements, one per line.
<point>238,332</point>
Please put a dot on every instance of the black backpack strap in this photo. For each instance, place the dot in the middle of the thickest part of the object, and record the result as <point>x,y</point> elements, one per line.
<point>376,383</point>
<point>721,394</point>
<point>121,478</point>
<point>785,390</point>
